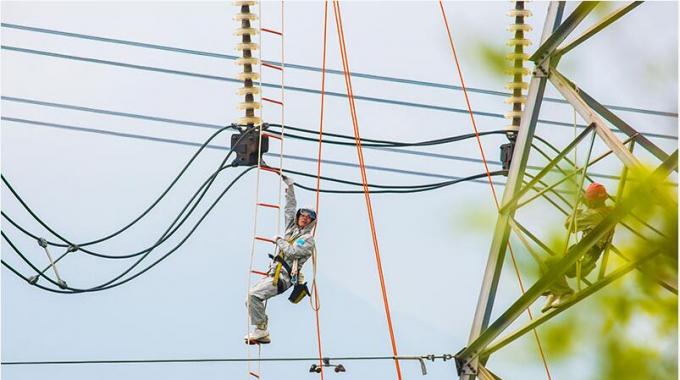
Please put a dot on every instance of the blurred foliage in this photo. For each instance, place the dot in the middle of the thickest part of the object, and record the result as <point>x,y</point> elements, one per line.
<point>492,55</point>
<point>629,328</point>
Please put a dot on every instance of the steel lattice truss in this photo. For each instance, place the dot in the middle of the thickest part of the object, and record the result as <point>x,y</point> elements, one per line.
<point>521,189</point>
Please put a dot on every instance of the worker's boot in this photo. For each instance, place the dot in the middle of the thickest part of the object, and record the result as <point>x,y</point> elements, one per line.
<point>549,303</point>
<point>259,336</point>
<point>555,301</point>
<point>562,299</point>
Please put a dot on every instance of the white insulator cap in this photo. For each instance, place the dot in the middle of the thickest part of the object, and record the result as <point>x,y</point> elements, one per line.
<point>514,85</point>
<point>518,41</point>
<point>515,56</point>
<point>241,3</point>
<point>246,46</point>
<point>245,16</point>
<point>249,106</point>
<point>513,114</point>
<point>522,27</point>
<point>516,99</point>
<point>248,91</point>
<point>521,13</point>
<point>246,76</point>
<point>512,128</point>
<point>517,70</point>
<point>250,120</point>
<point>247,61</point>
<point>242,31</point>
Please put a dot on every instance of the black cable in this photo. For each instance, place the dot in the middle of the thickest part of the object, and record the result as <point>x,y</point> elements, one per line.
<point>396,189</point>
<point>365,142</point>
<point>165,236</point>
<point>110,285</point>
<point>203,190</point>
<point>292,157</point>
<point>181,122</point>
<point>148,209</point>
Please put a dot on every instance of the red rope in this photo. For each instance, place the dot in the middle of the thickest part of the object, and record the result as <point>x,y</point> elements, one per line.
<point>362,166</point>
<point>315,289</point>
<point>488,174</point>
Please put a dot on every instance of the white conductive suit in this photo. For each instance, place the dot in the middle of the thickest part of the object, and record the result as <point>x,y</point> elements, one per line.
<point>296,245</point>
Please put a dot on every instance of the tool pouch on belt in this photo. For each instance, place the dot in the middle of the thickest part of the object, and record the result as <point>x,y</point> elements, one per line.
<point>299,292</point>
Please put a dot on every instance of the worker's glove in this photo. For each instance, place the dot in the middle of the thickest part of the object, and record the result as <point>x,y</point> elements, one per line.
<point>287,180</point>
<point>279,242</point>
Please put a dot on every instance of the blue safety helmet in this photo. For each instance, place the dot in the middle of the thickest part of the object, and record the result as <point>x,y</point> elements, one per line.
<point>308,211</point>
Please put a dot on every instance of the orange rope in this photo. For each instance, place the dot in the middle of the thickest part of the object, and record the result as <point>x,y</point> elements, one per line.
<point>315,289</point>
<point>486,167</point>
<point>357,138</point>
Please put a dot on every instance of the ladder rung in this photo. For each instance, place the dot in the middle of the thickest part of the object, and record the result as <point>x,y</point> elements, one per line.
<point>275,67</point>
<point>258,272</point>
<point>265,239</point>
<point>278,137</point>
<point>271,31</point>
<point>268,205</point>
<point>270,169</point>
<point>272,101</point>
<point>253,374</point>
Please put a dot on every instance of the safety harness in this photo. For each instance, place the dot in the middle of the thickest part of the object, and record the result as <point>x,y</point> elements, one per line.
<point>299,290</point>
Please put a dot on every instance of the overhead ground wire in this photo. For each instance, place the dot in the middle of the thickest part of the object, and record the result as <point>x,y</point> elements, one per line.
<point>386,146</point>
<point>306,67</point>
<point>291,88</point>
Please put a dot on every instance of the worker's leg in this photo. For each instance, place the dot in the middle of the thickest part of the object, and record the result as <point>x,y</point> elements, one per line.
<point>560,287</point>
<point>258,294</point>
<point>559,291</point>
<point>589,260</point>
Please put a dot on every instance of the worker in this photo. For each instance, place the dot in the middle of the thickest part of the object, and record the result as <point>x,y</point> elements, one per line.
<point>294,249</point>
<point>584,220</point>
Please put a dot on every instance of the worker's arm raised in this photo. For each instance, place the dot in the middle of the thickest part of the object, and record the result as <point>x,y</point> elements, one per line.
<point>291,203</point>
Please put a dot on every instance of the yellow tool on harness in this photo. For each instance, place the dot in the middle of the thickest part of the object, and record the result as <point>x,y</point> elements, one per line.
<point>277,273</point>
<point>279,263</point>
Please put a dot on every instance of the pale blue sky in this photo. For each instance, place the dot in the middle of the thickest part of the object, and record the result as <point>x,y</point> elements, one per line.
<point>434,245</point>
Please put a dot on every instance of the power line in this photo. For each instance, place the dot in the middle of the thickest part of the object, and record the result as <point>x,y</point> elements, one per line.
<point>308,68</point>
<point>388,146</point>
<point>443,357</point>
<point>296,157</point>
<point>214,126</point>
<point>294,88</point>
<point>111,283</point>
<point>217,147</point>
<point>370,143</point>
